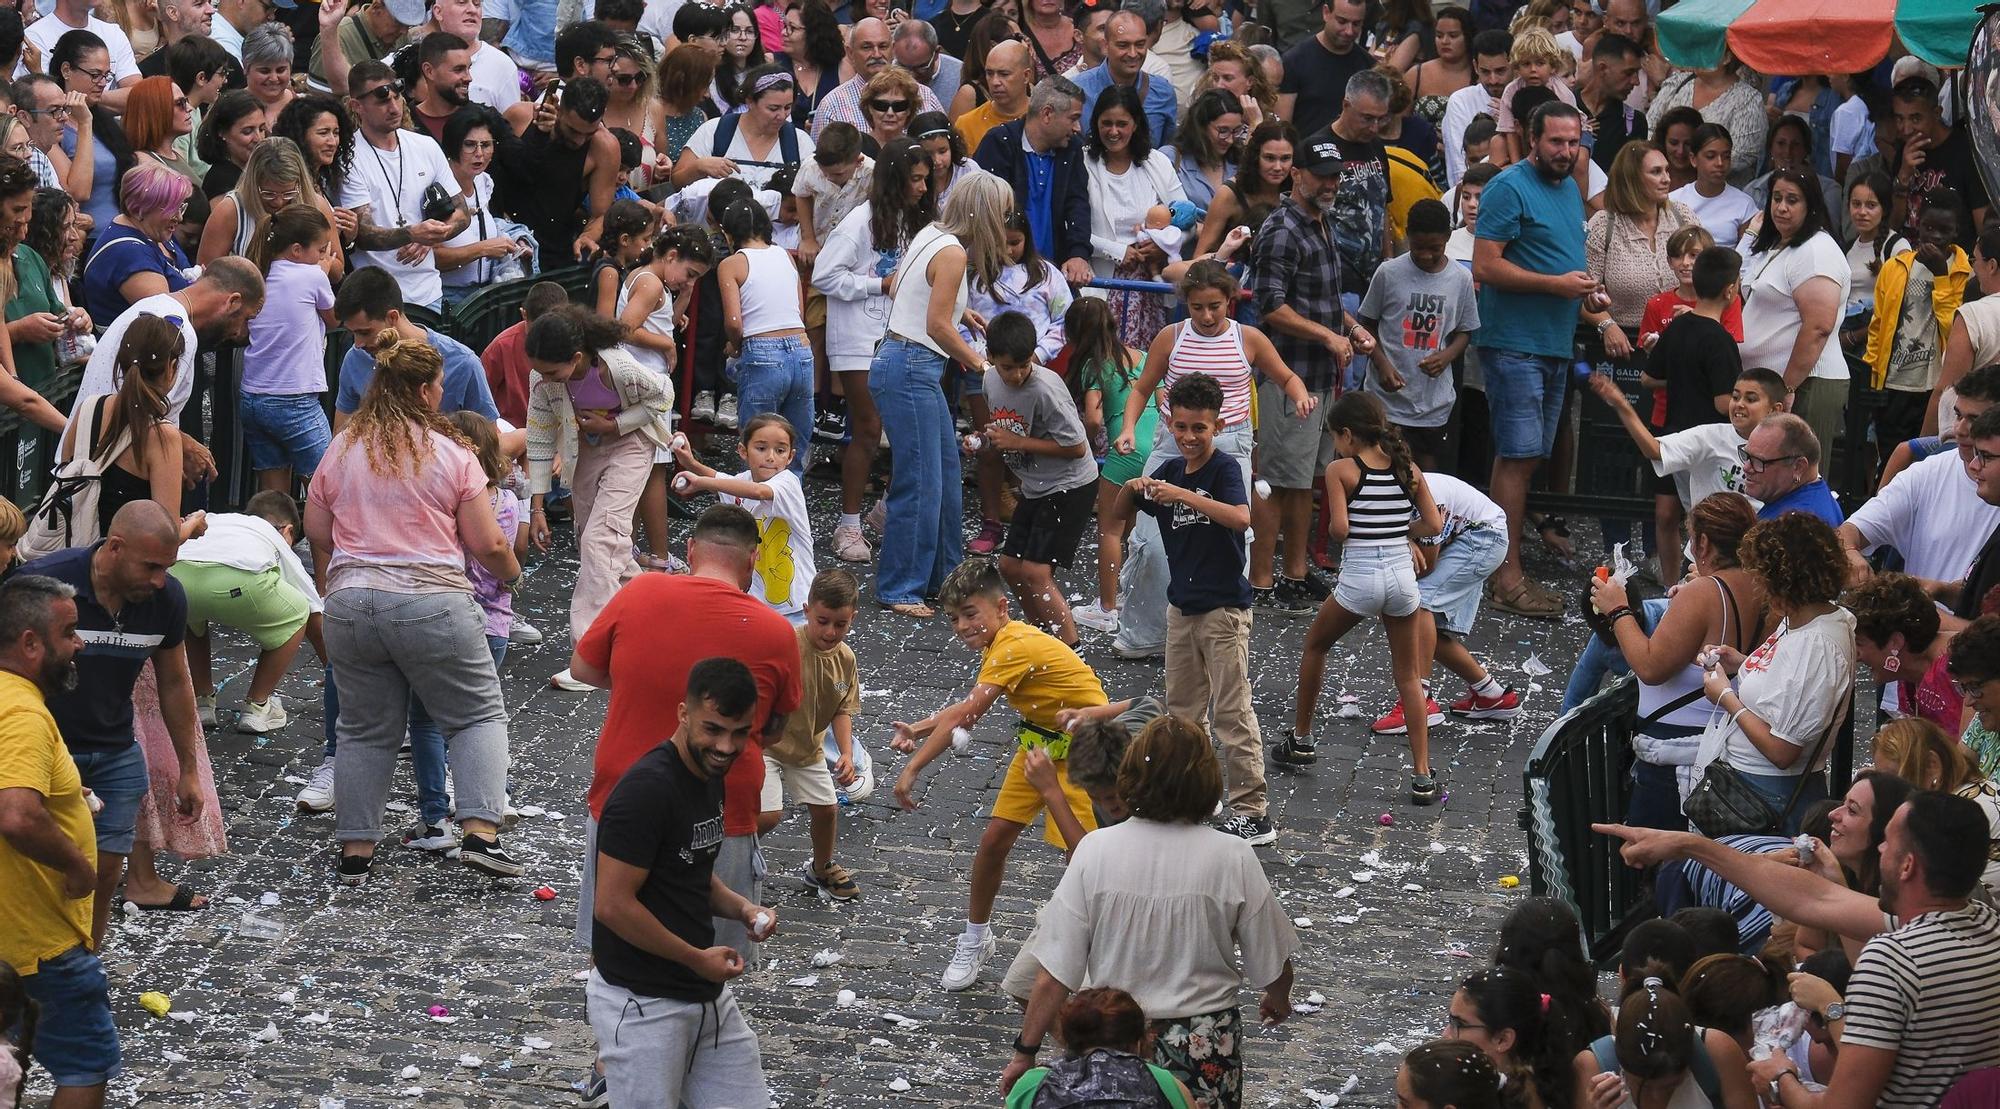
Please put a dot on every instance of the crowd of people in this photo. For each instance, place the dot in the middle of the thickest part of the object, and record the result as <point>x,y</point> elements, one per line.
<point>1237,297</point>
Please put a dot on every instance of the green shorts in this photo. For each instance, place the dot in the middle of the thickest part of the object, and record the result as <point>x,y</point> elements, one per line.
<point>265,606</point>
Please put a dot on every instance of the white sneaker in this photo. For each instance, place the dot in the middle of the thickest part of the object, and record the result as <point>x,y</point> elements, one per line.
<point>725,413</point>
<point>563,681</point>
<point>433,837</point>
<point>704,407</point>
<point>524,633</point>
<point>204,708</point>
<point>968,958</point>
<point>318,794</point>
<point>878,517</point>
<point>1096,617</point>
<point>258,719</point>
<point>849,545</point>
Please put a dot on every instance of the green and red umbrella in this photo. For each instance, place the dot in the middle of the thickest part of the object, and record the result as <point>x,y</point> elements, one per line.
<point>1815,36</point>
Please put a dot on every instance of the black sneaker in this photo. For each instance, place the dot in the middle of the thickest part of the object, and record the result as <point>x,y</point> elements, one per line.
<point>1281,598</point>
<point>1423,789</point>
<point>354,869</point>
<point>830,426</point>
<point>1295,750</point>
<point>1315,586</point>
<point>484,854</point>
<point>1299,595</point>
<point>1253,830</point>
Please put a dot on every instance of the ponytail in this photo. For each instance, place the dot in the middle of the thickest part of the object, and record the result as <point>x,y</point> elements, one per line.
<point>147,360</point>
<point>297,225</point>
<point>689,244</point>
<point>1362,416</point>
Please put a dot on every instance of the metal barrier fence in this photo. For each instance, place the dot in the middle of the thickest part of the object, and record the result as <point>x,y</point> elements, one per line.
<point>1580,773</point>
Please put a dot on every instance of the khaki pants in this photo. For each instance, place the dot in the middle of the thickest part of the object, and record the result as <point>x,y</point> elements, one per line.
<point>608,480</point>
<point>1820,402</point>
<point>1208,681</point>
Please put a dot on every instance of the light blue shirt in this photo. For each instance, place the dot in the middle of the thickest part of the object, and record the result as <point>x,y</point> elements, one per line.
<point>464,378</point>
<point>1155,94</point>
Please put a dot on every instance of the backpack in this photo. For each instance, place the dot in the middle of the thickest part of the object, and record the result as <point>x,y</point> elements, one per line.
<point>725,133</point>
<point>1103,1079</point>
<point>66,516</point>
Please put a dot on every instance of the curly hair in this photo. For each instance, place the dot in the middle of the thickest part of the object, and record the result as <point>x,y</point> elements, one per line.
<point>300,117</point>
<point>1887,604</point>
<point>1798,558</point>
<point>393,417</point>
<point>48,227</point>
<point>1261,89</point>
<point>1975,651</point>
<point>564,332</point>
<point>1170,774</point>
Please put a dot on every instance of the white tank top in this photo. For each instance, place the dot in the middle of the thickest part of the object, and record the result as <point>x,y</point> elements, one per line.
<point>910,308</point>
<point>1221,357</point>
<point>770,293</point>
<point>659,322</point>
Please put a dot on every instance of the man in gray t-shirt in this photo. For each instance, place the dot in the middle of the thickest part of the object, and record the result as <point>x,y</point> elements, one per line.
<point>1423,310</point>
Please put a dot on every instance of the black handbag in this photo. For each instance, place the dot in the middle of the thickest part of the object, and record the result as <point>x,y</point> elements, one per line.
<point>438,204</point>
<point>1724,804</point>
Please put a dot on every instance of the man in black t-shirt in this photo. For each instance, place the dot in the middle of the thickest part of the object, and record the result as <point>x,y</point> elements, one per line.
<point>1317,68</point>
<point>1934,158</point>
<point>1602,86</point>
<point>668,1026</point>
<point>129,612</point>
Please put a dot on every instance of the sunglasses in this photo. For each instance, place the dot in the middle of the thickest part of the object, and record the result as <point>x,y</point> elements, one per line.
<point>890,105</point>
<point>627,80</point>
<point>381,94</point>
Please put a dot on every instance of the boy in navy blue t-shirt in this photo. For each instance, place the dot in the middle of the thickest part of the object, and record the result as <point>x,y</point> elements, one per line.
<point>1203,509</point>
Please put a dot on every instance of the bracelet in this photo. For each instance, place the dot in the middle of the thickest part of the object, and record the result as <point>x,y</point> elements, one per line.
<point>1606,324</point>
<point>1023,1049</point>
<point>1734,715</point>
<point>1623,610</point>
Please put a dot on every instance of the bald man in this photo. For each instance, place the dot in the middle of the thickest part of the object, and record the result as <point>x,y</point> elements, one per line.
<point>869,50</point>
<point>1781,469</point>
<point>129,612</point>
<point>1009,69</point>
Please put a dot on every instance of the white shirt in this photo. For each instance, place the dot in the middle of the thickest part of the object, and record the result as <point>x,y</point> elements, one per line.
<point>1708,457</point>
<point>1853,134</point>
<point>909,308</point>
<point>226,36</point>
<point>702,142</point>
<point>392,184</point>
<point>1459,109</point>
<point>1723,215</point>
<point>45,31</point>
<point>1932,513</point>
<point>496,80</point>
<point>784,570</point>
<point>100,375</point>
<point>479,271</point>
<point>658,21</point>
<point>251,544</point>
<point>1770,315</point>
<point>1794,682</point>
<point>1463,507</point>
<point>1118,203</point>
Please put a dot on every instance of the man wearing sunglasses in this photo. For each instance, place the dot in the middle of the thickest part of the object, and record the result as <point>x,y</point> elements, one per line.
<point>869,50</point>
<point>916,49</point>
<point>1781,469</point>
<point>394,178</point>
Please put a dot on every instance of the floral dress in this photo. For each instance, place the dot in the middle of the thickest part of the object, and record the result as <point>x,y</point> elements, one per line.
<point>200,838</point>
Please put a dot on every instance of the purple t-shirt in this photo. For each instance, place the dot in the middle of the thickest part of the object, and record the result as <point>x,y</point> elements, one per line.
<point>288,339</point>
<point>497,603</point>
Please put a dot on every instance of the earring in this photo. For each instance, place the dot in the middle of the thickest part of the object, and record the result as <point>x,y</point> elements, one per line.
<point>1893,663</point>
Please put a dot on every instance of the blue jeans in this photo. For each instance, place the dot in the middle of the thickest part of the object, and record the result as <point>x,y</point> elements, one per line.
<point>532,34</point>
<point>1776,790</point>
<point>1656,798</point>
<point>119,779</point>
<point>427,755</point>
<point>1601,659</point>
<point>75,1039</point>
<point>776,375</point>
<point>1524,395</point>
<point>284,431</point>
<point>924,536</point>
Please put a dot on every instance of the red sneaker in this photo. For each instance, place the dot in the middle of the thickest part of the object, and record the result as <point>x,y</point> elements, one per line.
<point>1504,707</point>
<point>988,539</point>
<point>1392,724</point>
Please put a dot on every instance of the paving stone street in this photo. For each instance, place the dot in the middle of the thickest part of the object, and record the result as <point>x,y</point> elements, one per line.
<point>334,1009</point>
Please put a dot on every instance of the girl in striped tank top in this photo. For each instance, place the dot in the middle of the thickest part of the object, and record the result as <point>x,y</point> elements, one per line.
<point>1382,505</point>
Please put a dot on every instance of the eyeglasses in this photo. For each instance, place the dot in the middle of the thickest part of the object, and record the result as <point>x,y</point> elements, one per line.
<point>890,105</point>
<point>278,200</point>
<point>1984,458</point>
<point>627,80</point>
<point>96,76</point>
<point>1755,464</point>
<point>477,146</point>
<point>1969,690</point>
<point>60,111</point>
<point>1459,1027</point>
<point>605,59</point>
<point>381,94</point>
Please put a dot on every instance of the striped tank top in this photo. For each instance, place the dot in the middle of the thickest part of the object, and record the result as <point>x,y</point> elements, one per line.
<point>1221,357</point>
<point>1379,511</point>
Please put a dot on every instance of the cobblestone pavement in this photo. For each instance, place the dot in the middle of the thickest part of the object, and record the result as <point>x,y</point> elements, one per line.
<point>1389,916</point>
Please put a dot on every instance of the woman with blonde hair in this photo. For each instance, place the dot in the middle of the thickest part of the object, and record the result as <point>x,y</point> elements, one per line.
<point>1230,67</point>
<point>157,117</point>
<point>396,509</point>
<point>889,101</point>
<point>276,177</point>
<point>140,20</point>
<point>923,534</point>
<point>1919,752</point>
<point>633,108</point>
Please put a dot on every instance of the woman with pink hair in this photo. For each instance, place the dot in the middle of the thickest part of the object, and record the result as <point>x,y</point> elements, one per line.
<point>136,255</point>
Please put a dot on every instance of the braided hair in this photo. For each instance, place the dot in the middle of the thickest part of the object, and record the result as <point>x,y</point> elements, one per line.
<point>394,415</point>
<point>1362,416</point>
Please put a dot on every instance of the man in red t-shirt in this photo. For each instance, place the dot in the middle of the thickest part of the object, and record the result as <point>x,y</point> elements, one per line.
<point>508,374</point>
<point>641,648</point>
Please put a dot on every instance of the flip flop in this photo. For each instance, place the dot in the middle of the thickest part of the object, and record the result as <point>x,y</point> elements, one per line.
<point>913,608</point>
<point>182,902</point>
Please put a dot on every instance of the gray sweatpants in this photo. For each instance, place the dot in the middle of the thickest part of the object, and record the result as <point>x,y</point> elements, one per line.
<point>661,1053</point>
<point>383,644</point>
<point>740,865</point>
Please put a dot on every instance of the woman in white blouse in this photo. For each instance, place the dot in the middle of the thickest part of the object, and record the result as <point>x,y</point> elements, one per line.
<point>1795,279</point>
<point>1793,689</point>
<point>482,254</point>
<point>1160,906</point>
<point>1127,177</point>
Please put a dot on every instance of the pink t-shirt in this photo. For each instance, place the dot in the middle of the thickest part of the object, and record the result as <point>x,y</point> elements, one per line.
<point>1503,112</point>
<point>1934,698</point>
<point>398,531</point>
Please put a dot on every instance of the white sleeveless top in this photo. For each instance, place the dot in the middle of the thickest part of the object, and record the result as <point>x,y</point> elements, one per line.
<point>910,308</point>
<point>659,322</point>
<point>770,293</point>
<point>1221,357</point>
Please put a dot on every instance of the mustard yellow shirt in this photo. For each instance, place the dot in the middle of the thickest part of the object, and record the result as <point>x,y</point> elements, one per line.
<point>1040,676</point>
<point>973,125</point>
<point>37,921</point>
<point>830,686</point>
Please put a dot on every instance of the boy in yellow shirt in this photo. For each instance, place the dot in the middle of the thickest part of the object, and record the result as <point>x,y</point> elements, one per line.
<point>831,695</point>
<point>1041,678</point>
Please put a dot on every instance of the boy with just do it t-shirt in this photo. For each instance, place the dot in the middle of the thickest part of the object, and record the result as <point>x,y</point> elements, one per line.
<point>1041,678</point>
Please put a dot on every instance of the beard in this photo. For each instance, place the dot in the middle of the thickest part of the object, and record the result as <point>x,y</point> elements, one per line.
<point>1557,168</point>
<point>451,96</point>
<point>58,676</point>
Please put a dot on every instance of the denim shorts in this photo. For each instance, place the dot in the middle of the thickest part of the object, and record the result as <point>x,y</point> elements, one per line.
<point>76,1040</point>
<point>1453,588</point>
<point>119,779</point>
<point>1524,396</point>
<point>1377,580</point>
<point>283,430</point>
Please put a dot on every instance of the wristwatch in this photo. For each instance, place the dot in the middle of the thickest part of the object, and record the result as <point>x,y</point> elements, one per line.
<point>1834,1012</point>
<point>1023,1049</point>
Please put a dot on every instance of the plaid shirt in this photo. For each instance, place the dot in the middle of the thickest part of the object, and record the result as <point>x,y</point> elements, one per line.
<point>45,170</point>
<point>1294,263</point>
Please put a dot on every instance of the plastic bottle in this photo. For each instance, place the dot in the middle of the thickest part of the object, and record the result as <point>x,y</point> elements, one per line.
<point>1602,573</point>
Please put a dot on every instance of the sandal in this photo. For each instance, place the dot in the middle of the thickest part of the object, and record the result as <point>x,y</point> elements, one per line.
<point>659,564</point>
<point>917,609</point>
<point>182,902</point>
<point>1559,542</point>
<point>1527,599</point>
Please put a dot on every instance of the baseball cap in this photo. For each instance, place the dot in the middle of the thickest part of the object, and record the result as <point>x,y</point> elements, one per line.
<point>409,13</point>
<point>1320,153</point>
